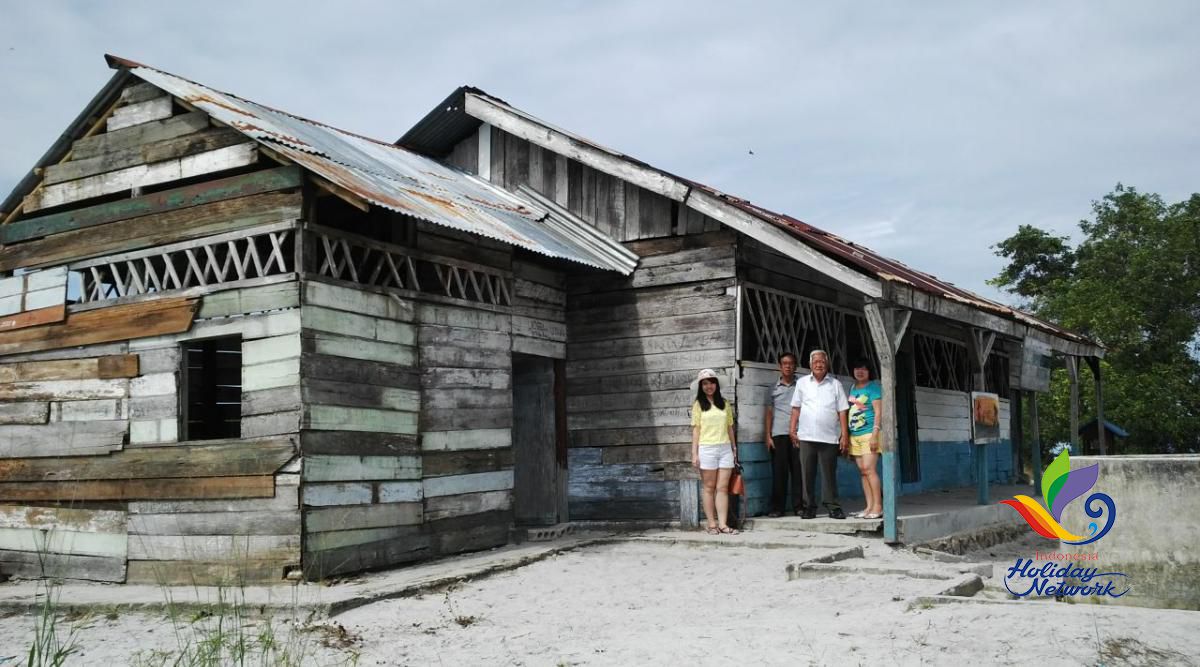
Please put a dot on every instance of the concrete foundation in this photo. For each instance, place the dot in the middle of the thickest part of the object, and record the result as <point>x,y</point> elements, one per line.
<point>1155,539</point>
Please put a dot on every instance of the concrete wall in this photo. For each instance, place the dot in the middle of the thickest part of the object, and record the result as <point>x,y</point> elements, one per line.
<point>1156,533</point>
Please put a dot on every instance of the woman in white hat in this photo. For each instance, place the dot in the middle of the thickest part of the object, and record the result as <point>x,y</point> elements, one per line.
<point>714,450</point>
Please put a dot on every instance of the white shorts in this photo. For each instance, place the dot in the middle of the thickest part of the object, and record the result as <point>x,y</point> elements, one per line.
<point>716,456</point>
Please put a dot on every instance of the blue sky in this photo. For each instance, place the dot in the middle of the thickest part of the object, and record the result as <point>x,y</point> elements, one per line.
<point>926,131</point>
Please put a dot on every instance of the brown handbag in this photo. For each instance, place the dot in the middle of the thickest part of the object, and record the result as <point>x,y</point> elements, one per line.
<point>737,485</point>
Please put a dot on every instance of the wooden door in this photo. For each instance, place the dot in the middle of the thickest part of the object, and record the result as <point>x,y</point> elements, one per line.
<point>536,470</point>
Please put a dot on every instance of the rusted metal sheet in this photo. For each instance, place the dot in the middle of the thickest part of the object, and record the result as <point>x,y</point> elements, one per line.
<point>395,178</point>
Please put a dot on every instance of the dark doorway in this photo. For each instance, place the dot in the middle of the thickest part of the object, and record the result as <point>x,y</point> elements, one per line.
<point>539,444</point>
<point>906,419</point>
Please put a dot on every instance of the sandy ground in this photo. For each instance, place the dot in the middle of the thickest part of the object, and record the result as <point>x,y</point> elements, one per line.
<point>719,600</point>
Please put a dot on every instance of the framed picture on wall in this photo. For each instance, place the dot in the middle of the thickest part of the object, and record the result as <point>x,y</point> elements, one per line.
<point>985,418</point>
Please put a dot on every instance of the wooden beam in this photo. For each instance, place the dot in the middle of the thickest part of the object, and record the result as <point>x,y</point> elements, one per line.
<point>557,141</point>
<point>240,155</point>
<point>1102,432</point>
<point>158,151</point>
<point>882,322</point>
<point>341,193</point>
<point>126,322</point>
<point>99,368</point>
<point>153,230</point>
<point>782,242</point>
<point>185,488</point>
<point>216,458</point>
<point>268,180</point>
<point>1035,444</point>
<point>1073,407</point>
<point>484,168</point>
<point>33,318</point>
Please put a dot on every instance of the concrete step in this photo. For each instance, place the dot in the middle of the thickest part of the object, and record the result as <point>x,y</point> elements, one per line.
<point>523,534</point>
<point>821,524</point>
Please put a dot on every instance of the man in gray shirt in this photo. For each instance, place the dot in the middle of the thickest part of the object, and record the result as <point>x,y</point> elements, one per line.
<point>785,456</point>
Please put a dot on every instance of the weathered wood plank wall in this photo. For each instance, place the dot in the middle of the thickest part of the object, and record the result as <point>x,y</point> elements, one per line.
<point>634,347</point>
<point>466,389</point>
<point>621,210</point>
<point>91,415</point>
<point>361,478</point>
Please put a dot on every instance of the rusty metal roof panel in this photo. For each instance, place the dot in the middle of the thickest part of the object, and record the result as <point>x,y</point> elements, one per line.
<point>396,178</point>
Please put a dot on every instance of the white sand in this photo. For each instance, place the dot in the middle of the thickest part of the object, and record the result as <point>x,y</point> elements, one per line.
<point>645,602</point>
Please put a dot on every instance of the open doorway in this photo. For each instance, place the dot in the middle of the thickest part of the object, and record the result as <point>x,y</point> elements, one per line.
<point>539,441</point>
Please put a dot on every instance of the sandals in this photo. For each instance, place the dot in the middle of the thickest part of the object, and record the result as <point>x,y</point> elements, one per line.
<point>872,516</point>
<point>856,515</point>
<point>729,531</point>
<point>713,530</point>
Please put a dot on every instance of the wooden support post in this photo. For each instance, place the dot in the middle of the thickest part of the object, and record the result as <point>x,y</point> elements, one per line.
<point>1073,378</point>
<point>887,330</point>
<point>981,346</point>
<point>1017,423</point>
<point>1035,444</point>
<point>1102,432</point>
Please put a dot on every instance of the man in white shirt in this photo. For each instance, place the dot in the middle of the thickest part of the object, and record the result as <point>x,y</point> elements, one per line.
<point>820,427</point>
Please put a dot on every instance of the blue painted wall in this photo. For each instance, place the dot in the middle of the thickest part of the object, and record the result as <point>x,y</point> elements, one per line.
<point>944,465</point>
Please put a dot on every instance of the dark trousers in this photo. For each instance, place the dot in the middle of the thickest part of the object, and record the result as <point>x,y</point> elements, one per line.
<point>827,454</point>
<point>785,462</point>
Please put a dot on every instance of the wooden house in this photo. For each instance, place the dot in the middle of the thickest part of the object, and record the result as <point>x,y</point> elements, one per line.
<point>236,344</point>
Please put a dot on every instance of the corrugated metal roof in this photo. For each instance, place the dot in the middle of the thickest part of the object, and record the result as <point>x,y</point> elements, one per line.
<point>846,252</point>
<point>396,178</point>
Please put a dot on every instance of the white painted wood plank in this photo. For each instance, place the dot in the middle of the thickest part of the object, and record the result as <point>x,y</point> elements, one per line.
<point>155,384</point>
<point>470,483</point>
<point>62,439</point>
<point>444,507</point>
<point>400,492</point>
<point>338,418</point>
<point>212,548</point>
<point>62,542</point>
<point>321,495</point>
<point>143,175</point>
<point>62,519</point>
<point>274,348</point>
<point>107,409</point>
<point>282,373</point>
<point>364,516</point>
<point>446,441</point>
<point>358,301</point>
<point>356,468</point>
<point>24,413</point>
<point>64,390</point>
<point>361,348</point>
<point>136,114</point>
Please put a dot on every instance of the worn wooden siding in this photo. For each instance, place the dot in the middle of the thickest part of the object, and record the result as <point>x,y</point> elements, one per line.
<point>634,346</point>
<point>753,397</point>
<point>621,210</point>
<point>361,488</point>
<point>99,428</point>
<point>466,411</point>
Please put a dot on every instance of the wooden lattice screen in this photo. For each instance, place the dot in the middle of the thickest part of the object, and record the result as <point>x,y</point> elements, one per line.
<point>242,255</point>
<point>774,322</point>
<point>942,363</point>
<point>363,261</point>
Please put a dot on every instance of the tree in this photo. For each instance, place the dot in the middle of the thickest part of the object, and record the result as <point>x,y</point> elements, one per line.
<point>1133,285</point>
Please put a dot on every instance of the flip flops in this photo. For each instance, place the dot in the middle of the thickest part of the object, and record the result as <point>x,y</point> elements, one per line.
<point>713,530</point>
<point>729,531</point>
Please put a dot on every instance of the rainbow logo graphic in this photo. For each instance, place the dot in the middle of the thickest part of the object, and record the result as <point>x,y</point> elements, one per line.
<point>1060,486</point>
